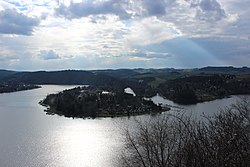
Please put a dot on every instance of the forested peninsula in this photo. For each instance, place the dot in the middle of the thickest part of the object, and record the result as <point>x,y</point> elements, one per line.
<point>92,102</point>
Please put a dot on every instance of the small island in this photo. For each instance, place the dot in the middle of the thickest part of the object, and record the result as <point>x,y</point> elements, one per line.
<point>92,102</point>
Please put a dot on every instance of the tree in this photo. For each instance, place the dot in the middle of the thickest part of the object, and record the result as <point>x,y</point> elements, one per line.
<point>177,141</point>
<point>156,143</point>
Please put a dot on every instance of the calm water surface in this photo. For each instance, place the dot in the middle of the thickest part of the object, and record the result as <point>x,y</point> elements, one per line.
<point>29,137</point>
<point>197,111</point>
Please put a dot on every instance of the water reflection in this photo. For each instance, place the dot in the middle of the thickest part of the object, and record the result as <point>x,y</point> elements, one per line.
<point>29,137</point>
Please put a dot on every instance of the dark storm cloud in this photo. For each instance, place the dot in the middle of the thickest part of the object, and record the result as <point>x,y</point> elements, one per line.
<point>48,55</point>
<point>87,8</point>
<point>13,22</point>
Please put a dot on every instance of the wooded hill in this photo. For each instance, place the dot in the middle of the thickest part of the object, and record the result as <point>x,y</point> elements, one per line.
<point>184,86</point>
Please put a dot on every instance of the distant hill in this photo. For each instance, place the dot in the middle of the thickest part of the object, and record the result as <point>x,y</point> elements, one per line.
<point>180,85</point>
<point>152,77</point>
<point>228,69</point>
<point>119,73</point>
<point>70,77</point>
<point>6,73</point>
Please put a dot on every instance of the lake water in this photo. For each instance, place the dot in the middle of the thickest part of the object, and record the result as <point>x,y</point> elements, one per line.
<point>197,111</point>
<point>29,137</point>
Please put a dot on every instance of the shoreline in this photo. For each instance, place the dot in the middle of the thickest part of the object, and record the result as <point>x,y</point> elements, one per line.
<point>50,111</point>
<point>18,89</point>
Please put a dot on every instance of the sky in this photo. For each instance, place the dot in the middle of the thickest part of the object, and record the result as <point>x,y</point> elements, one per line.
<point>111,34</point>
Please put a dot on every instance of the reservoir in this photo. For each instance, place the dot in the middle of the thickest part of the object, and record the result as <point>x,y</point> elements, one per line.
<point>30,138</point>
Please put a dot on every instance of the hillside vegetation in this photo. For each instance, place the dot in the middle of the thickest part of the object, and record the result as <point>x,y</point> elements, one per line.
<point>184,86</point>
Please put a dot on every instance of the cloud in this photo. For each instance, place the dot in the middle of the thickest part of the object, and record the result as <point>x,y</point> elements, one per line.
<point>48,55</point>
<point>147,55</point>
<point>124,9</point>
<point>13,22</point>
<point>198,18</point>
<point>154,8</point>
<point>88,8</point>
<point>8,58</point>
<point>151,31</point>
<point>5,5</point>
<point>208,10</point>
<point>107,33</point>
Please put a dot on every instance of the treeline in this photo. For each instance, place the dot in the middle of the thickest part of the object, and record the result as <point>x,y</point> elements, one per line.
<point>179,85</point>
<point>107,79</point>
<point>69,77</point>
<point>193,89</point>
